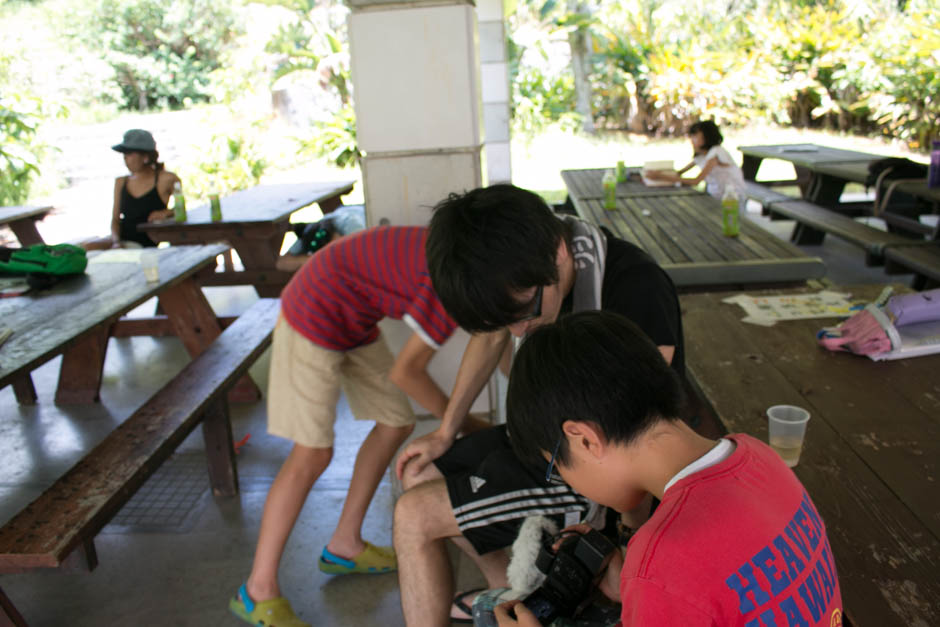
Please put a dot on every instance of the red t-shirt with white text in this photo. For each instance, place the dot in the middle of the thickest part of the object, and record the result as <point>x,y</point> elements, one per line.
<point>737,544</point>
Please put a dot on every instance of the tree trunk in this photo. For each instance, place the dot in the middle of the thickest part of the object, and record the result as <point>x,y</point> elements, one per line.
<point>578,41</point>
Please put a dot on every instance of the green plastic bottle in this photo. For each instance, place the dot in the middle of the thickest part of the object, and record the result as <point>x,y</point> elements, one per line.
<point>179,203</point>
<point>609,183</point>
<point>215,208</point>
<point>730,213</point>
<point>621,172</point>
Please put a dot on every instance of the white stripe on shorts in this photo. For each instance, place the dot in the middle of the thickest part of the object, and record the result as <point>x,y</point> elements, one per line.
<point>519,504</point>
<point>515,515</point>
<point>515,494</point>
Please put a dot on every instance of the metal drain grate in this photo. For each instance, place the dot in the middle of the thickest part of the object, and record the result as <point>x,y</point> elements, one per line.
<point>169,501</point>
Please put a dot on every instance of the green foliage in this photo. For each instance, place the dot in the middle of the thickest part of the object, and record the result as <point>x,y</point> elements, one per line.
<point>231,162</point>
<point>19,149</point>
<point>657,65</point>
<point>903,89</point>
<point>313,45</point>
<point>540,100</point>
<point>163,53</point>
<point>334,140</point>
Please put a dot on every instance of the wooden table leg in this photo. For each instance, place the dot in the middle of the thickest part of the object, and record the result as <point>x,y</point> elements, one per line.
<point>24,390</point>
<point>220,451</point>
<point>196,325</point>
<point>261,255</point>
<point>330,204</point>
<point>82,368</point>
<point>25,231</point>
<point>749,167</point>
<point>9,616</point>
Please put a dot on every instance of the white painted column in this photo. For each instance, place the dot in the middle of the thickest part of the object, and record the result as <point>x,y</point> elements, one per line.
<point>416,80</point>
<point>495,89</point>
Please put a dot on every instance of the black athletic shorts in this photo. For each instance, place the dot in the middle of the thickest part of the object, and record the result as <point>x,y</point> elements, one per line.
<point>492,492</point>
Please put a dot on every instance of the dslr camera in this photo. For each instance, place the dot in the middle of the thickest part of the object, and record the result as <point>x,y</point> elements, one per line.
<point>571,575</point>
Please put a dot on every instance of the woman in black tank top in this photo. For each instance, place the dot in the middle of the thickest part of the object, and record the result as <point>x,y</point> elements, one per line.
<point>139,197</point>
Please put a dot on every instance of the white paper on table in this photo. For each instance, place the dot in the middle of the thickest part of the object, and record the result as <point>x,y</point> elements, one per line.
<point>121,255</point>
<point>766,310</point>
<point>656,182</point>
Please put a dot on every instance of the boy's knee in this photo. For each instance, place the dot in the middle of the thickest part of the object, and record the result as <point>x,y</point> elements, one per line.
<point>395,432</point>
<point>305,460</point>
<point>426,511</point>
<point>411,478</point>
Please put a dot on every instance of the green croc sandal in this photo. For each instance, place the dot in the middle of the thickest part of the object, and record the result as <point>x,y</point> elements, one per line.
<point>372,560</point>
<point>275,612</point>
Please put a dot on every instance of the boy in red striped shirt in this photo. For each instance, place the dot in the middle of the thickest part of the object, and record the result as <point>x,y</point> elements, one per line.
<point>325,339</point>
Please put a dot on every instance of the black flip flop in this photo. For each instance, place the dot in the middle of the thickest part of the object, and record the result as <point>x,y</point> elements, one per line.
<point>461,604</point>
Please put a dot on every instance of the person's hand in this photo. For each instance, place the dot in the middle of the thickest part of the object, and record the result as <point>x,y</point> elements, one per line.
<point>524,616</point>
<point>609,582</point>
<point>662,175</point>
<point>423,451</point>
<point>160,215</point>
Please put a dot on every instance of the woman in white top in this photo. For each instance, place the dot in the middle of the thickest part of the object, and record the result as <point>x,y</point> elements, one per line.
<point>717,168</point>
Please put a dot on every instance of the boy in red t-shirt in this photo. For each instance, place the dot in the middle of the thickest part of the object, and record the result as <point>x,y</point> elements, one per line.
<point>736,540</point>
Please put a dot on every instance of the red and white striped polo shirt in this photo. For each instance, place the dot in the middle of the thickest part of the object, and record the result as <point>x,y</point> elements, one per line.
<point>336,298</point>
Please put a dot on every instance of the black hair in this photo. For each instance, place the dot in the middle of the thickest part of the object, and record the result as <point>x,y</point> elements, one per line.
<point>487,245</point>
<point>709,131</point>
<point>596,367</point>
<point>151,158</point>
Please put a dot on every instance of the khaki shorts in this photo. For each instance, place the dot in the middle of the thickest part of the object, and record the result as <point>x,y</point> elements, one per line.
<point>305,382</point>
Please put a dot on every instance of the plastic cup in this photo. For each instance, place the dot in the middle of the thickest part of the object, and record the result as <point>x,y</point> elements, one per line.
<point>787,427</point>
<point>149,261</point>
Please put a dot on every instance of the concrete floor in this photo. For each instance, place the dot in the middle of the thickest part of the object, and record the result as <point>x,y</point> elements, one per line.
<point>176,554</point>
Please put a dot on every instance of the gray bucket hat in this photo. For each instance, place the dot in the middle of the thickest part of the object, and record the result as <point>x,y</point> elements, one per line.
<point>136,140</point>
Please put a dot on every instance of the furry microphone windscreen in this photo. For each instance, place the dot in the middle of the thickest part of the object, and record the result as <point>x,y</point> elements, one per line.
<point>522,573</point>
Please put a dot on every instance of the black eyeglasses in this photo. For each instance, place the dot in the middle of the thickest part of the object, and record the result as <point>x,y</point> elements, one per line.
<point>536,308</point>
<point>551,475</point>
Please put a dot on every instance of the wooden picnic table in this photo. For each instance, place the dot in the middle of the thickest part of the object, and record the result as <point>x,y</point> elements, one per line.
<point>681,229</point>
<point>821,172</point>
<point>76,317</point>
<point>22,221</point>
<point>254,222</point>
<point>872,450</point>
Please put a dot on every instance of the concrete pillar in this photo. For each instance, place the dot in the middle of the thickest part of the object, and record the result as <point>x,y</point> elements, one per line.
<point>495,90</point>
<point>415,72</point>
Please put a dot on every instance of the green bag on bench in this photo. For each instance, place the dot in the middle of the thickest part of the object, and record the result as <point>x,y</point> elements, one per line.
<point>57,260</point>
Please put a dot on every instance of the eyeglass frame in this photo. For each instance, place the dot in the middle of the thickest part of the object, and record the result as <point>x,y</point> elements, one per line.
<point>554,477</point>
<point>537,309</point>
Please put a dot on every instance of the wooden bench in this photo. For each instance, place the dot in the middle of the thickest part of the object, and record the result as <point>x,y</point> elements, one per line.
<point>813,222</point>
<point>922,258</point>
<point>763,195</point>
<point>68,515</point>
<point>898,253</point>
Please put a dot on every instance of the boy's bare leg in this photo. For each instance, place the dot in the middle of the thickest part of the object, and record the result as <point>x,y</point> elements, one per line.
<point>372,461</point>
<point>285,500</point>
<point>424,519</point>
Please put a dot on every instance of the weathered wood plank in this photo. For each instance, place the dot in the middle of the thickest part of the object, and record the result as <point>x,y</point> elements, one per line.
<point>157,326</point>
<point>870,456</point>
<point>82,501</point>
<point>47,323</point>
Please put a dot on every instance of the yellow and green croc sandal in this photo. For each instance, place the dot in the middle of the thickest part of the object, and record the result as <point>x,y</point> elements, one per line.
<point>373,560</point>
<point>274,612</point>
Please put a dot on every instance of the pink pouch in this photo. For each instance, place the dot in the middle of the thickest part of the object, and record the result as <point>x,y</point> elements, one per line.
<point>862,334</point>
